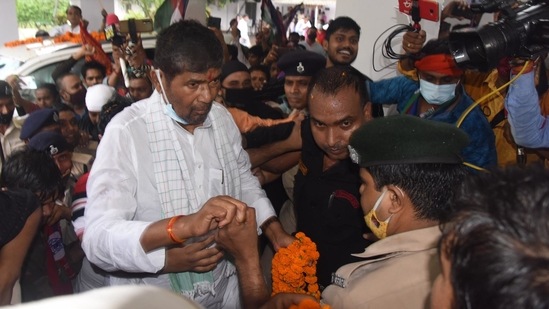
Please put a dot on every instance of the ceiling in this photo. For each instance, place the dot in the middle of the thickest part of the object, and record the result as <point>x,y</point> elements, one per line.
<point>306,2</point>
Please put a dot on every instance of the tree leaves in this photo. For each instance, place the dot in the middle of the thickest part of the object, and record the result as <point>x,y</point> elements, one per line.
<point>38,13</point>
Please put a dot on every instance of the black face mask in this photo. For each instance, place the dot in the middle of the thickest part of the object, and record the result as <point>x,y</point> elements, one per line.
<point>239,97</point>
<point>5,119</point>
<point>79,98</point>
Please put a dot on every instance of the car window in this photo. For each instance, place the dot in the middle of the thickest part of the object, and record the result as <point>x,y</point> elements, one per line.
<point>40,72</point>
<point>43,74</point>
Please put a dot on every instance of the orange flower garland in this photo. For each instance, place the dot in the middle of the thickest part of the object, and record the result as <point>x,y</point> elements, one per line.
<point>66,37</point>
<point>23,42</point>
<point>309,304</point>
<point>294,268</point>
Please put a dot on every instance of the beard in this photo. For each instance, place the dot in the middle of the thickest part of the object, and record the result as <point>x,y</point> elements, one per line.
<point>5,119</point>
<point>197,116</point>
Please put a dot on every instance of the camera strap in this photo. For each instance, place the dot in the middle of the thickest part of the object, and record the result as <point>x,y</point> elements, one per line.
<point>498,118</point>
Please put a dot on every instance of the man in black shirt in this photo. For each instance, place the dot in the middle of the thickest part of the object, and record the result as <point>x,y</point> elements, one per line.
<point>326,192</point>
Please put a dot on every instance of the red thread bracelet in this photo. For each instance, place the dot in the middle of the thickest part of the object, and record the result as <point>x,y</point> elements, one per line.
<point>169,228</point>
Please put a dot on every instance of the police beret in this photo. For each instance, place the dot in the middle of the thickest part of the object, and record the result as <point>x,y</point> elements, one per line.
<point>301,63</point>
<point>5,90</point>
<point>38,120</point>
<point>50,142</point>
<point>403,139</point>
<point>232,67</point>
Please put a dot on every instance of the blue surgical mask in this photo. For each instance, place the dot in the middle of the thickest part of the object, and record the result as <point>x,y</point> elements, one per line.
<point>437,94</point>
<point>168,108</point>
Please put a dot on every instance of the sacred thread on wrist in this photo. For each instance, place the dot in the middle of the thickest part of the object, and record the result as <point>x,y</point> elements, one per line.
<point>169,228</point>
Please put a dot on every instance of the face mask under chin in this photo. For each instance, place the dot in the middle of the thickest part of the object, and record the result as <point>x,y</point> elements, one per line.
<point>168,107</point>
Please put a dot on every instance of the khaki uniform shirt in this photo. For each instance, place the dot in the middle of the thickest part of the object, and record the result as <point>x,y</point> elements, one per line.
<point>397,272</point>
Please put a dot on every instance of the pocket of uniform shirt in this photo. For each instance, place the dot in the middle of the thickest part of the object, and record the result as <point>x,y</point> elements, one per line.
<point>216,178</point>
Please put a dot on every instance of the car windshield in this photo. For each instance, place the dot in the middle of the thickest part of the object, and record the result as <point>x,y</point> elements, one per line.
<point>8,66</point>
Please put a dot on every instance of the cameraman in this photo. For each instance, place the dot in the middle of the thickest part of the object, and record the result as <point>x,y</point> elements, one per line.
<point>478,84</point>
<point>528,125</point>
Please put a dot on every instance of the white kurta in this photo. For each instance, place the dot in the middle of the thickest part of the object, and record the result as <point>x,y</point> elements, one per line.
<point>123,199</point>
<point>62,29</point>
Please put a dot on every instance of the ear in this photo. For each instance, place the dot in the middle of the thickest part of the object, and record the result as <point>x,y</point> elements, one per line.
<point>220,97</point>
<point>325,45</point>
<point>398,199</point>
<point>154,79</point>
<point>367,111</point>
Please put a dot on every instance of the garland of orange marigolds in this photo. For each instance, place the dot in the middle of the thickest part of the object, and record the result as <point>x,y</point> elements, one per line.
<point>66,37</point>
<point>309,304</point>
<point>294,268</point>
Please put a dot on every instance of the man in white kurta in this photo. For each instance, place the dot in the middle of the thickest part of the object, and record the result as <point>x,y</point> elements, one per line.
<point>123,199</point>
<point>151,167</point>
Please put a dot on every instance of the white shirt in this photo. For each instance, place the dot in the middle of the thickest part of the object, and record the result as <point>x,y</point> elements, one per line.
<point>55,31</point>
<point>244,37</point>
<point>123,199</point>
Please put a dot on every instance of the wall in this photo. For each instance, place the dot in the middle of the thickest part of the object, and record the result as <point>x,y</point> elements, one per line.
<point>380,15</point>
<point>227,12</point>
<point>91,11</point>
<point>9,22</point>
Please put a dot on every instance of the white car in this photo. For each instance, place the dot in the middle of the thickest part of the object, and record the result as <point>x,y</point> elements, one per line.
<point>35,62</point>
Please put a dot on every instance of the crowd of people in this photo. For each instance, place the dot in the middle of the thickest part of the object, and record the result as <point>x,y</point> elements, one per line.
<point>187,172</point>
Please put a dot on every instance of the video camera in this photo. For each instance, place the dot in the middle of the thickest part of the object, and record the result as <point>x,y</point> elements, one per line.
<point>518,34</point>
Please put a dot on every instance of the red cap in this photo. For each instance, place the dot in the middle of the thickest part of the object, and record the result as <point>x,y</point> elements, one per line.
<point>111,19</point>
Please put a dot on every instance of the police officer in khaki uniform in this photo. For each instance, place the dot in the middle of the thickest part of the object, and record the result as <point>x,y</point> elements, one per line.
<point>409,168</point>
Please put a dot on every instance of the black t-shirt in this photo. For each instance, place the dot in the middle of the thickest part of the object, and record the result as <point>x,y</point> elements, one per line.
<point>327,205</point>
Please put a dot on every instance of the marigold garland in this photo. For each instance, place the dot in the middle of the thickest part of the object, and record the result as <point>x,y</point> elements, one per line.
<point>309,304</point>
<point>66,37</point>
<point>294,268</point>
<point>23,42</point>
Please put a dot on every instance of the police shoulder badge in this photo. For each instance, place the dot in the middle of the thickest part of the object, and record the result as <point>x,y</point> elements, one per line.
<point>353,154</point>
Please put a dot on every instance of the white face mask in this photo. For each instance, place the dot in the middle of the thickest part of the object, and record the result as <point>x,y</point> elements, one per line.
<point>168,108</point>
<point>437,94</point>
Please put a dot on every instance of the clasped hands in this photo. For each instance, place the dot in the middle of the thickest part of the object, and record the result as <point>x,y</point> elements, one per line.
<point>228,222</point>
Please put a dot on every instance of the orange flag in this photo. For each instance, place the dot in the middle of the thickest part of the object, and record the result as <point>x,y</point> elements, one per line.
<point>99,55</point>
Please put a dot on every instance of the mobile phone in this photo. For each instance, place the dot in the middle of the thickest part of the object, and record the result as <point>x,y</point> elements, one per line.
<point>141,25</point>
<point>428,9</point>
<point>214,22</point>
<point>135,26</point>
<point>114,36</point>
